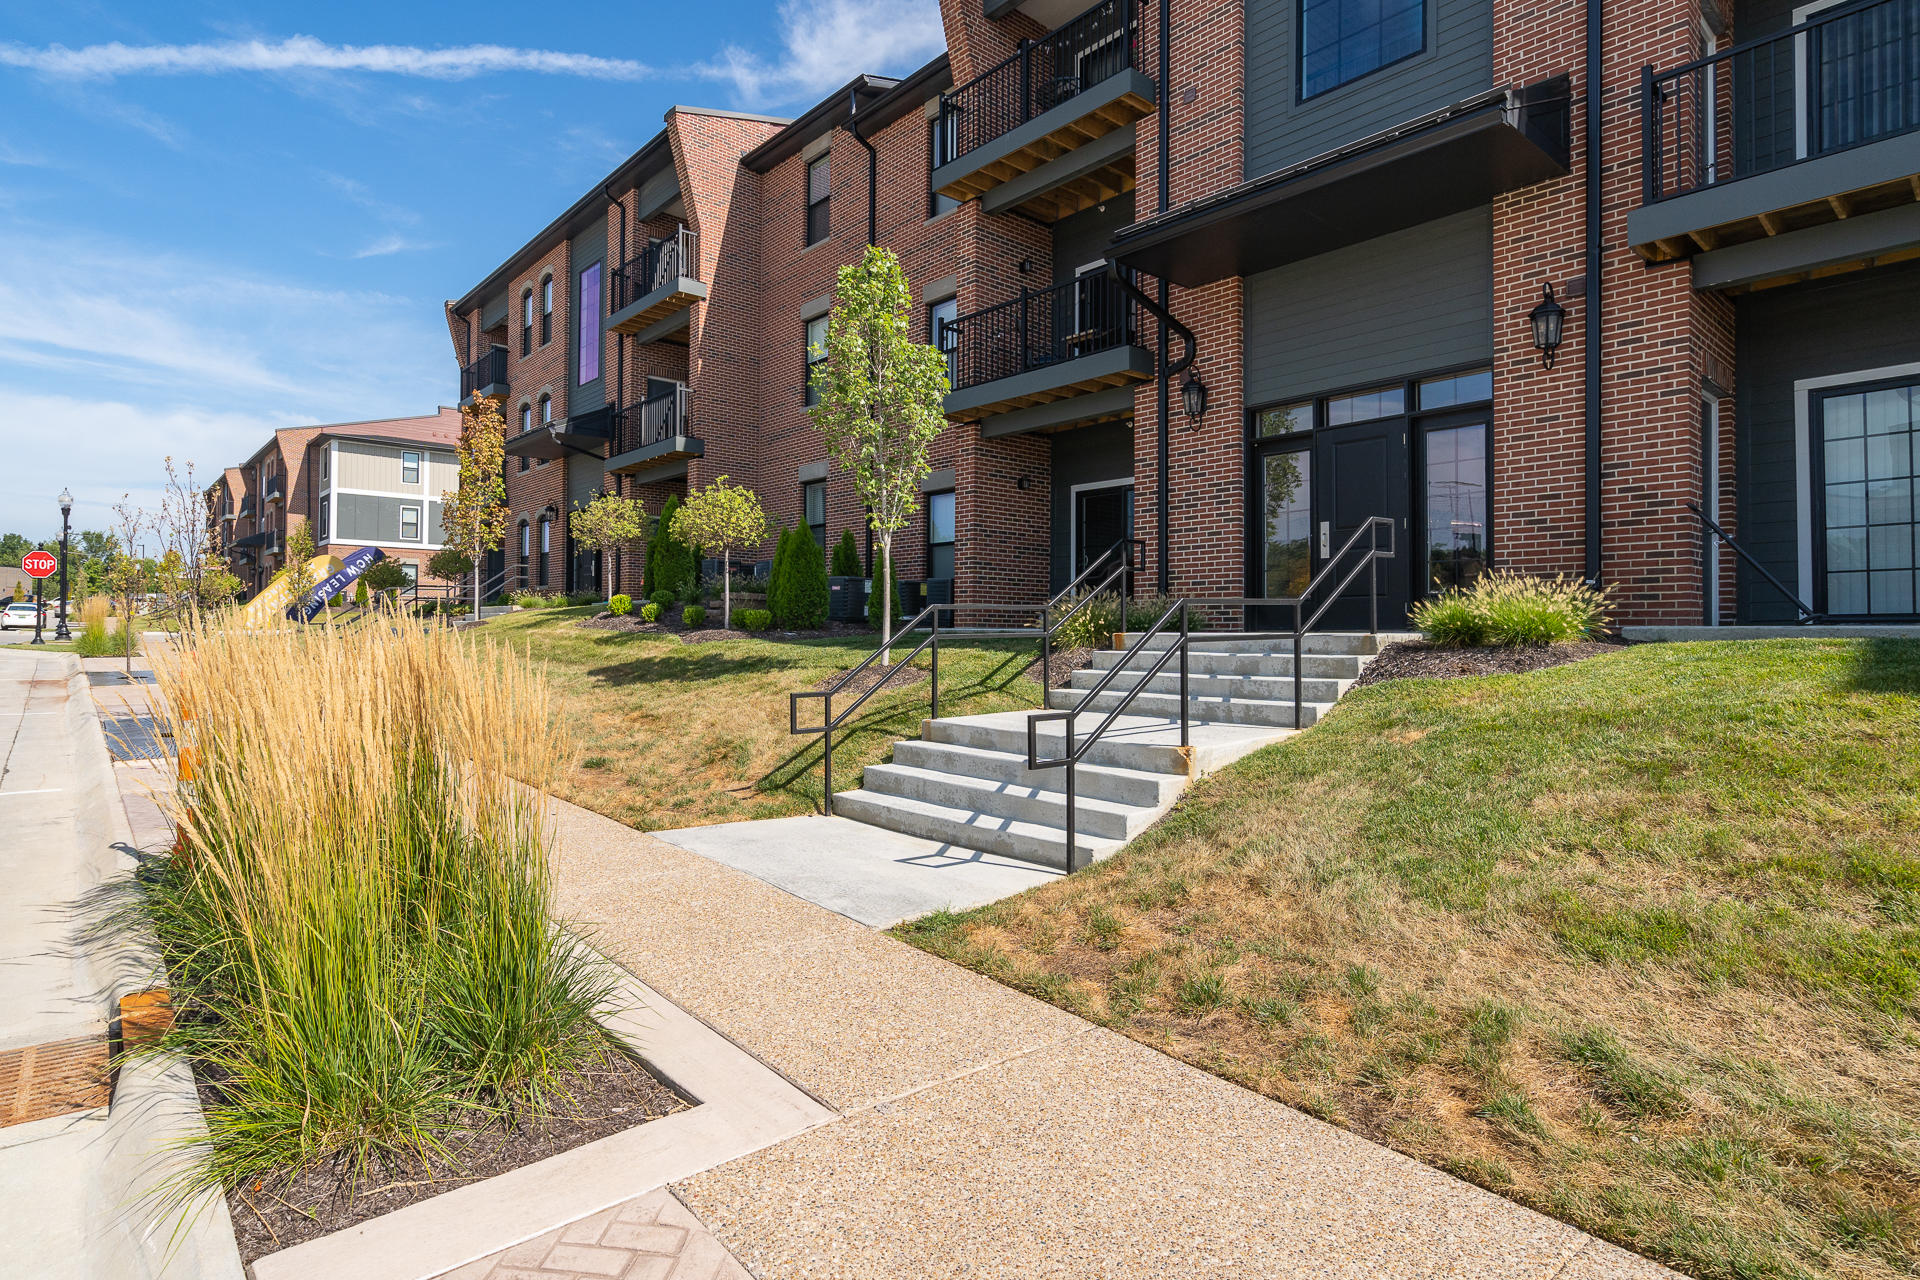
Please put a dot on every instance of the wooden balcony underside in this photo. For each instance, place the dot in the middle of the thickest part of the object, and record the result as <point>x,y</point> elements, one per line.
<point>1065,390</point>
<point>1099,121</point>
<point>658,305</point>
<point>1812,213</point>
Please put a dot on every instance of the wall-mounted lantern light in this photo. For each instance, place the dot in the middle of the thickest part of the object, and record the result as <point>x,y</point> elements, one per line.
<point>1548,319</point>
<point>1193,394</point>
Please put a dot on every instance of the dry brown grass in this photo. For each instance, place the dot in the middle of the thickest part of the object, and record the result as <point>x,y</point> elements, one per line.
<point>1577,936</point>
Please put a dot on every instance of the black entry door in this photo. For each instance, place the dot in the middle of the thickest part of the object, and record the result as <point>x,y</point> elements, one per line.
<point>1101,517</point>
<point>1360,472</point>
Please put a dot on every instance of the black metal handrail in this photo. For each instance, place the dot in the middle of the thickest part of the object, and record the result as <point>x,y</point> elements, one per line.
<point>1303,622</point>
<point>1841,79</point>
<point>1042,327</point>
<point>1117,563</point>
<point>1806,614</point>
<point>665,259</point>
<point>660,416</point>
<point>1040,75</point>
<point>489,370</point>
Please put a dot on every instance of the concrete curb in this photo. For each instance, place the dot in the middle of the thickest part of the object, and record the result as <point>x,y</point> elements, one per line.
<point>742,1107</point>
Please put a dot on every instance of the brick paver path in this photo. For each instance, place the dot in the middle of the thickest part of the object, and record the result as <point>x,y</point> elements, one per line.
<point>652,1237</point>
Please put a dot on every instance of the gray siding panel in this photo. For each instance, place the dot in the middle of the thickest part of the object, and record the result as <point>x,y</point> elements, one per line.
<point>1082,237</point>
<point>1386,308</point>
<point>588,247</point>
<point>368,518</point>
<point>1849,323</point>
<point>1281,130</point>
<point>1086,456</point>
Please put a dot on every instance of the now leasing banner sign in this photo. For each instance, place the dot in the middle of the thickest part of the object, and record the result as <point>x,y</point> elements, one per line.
<point>352,565</point>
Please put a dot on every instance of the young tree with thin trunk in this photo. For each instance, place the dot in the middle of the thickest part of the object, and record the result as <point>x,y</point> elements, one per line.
<point>193,574</point>
<point>475,515</point>
<point>607,524</point>
<point>126,576</point>
<point>722,518</point>
<point>880,398</point>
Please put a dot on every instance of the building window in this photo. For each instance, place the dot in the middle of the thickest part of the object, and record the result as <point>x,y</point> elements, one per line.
<point>940,140</point>
<point>410,571</point>
<point>546,311</point>
<point>409,524</point>
<point>526,417</point>
<point>1456,505</point>
<point>1286,501</point>
<point>816,355</point>
<point>1388,402</point>
<point>1342,40</point>
<point>1457,389</point>
<point>1865,469</point>
<point>819,192</point>
<point>546,539</point>
<point>323,518</point>
<point>940,535</point>
<point>590,324</point>
<point>409,467</point>
<point>526,322</point>
<point>546,411</point>
<point>813,503</point>
<point>1283,420</point>
<point>942,336</point>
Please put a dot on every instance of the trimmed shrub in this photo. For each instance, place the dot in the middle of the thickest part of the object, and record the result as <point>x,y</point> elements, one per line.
<point>846,556</point>
<point>671,568</point>
<point>360,593</point>
<point>780,577</point>
<point>662,598</point>
<point>753,619</point>
<point>807,583</point>
<point>883,568</point>
<point>620,606</point>
<point>1511,609</point>
<point>693,617</point>
<point>650,612</point>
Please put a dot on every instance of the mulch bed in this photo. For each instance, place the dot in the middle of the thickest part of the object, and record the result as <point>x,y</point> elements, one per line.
<point>898,676</point>
<point>1417,659</point>
<point>706,635</point>
<point>1064,663</point>
<point>277,1212</point>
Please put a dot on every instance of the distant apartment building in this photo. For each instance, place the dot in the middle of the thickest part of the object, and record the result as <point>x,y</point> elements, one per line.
<point>357,484</point>
<point>1530,283</point>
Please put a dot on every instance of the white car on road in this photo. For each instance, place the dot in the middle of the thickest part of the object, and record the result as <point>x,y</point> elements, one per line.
<point>19,613</point>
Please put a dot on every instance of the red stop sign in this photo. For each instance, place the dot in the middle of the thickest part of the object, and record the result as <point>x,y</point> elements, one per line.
<point>39,564</point>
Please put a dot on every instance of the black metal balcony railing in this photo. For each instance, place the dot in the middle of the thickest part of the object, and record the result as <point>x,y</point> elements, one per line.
<point>663,415</point>
<point>490,370</point>
<point>658,264</point>
<point>276,488</point>
<point>1100,43</point>
<point>1040,328</point>
<point>1841,79</point>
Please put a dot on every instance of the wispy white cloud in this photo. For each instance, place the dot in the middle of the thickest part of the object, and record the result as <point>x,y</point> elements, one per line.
<point>305,53</point>
<point>391,244</point>
<point>826,44</point>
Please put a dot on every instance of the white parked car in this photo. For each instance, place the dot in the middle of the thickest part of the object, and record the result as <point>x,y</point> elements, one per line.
<point>18,613</point>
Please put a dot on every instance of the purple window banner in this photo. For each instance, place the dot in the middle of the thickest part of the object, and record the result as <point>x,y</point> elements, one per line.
<point>589,324</point>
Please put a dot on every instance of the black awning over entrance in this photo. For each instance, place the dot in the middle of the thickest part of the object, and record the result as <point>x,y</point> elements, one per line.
<point>1445,162</point>
<point>583,433</point>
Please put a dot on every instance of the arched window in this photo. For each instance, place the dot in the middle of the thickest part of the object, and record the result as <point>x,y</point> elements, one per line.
<point>546,411</point>
<point>526,421</point>
<point>526,322</point>
<point>546,311</point>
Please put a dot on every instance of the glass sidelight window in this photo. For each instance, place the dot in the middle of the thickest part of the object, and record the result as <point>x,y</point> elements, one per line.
<point>940,535</point>
<point>1456,505</point>
<point>1286,515</point>
<point>1867,489</point>
<point>813,502</point>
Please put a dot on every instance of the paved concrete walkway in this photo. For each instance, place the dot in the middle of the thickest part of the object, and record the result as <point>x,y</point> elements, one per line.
<point>982,1133</point>
<point>866,873</point>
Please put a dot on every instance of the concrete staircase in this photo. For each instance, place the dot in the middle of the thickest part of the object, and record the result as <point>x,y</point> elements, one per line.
<point>965,781</point>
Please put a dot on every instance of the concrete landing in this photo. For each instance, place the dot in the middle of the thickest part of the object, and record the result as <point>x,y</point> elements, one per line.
<point>864,873</point>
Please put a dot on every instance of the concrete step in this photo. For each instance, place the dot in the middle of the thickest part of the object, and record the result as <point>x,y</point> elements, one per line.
<point>1225,662</point>
<point>1039,805</point>
<point>1266,688</point>
<point>1138,787</point>
<point>1149,743</point>
<point>969,829</point>
<point>1338,642</point>
<point>1213,709</point>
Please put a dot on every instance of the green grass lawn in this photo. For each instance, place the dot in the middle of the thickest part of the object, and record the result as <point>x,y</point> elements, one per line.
<point>676,735</point>
<point>1635,941</point>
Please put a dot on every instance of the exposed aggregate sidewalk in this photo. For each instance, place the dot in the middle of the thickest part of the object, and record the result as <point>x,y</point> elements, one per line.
<point>983,1133</point>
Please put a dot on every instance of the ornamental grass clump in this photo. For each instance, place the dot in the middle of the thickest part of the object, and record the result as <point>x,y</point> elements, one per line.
<point>356,924</point>
<point>1510,609</point>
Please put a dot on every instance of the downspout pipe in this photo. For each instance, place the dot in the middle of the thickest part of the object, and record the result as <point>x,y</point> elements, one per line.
<point>873,165</point>
<point>619,339</point>
<point>1164,572</point>
<point>1596,96</point>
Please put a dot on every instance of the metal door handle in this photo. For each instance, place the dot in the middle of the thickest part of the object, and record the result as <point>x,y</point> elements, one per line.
<point>1326,538</point>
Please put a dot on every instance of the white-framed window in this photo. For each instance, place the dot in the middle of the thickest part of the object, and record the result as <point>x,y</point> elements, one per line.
<point>409,467</point>
<point>816,355</point>
<point>409,524</point>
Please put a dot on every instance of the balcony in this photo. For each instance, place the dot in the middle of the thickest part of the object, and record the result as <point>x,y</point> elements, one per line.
<point>246,507</point>
<point>1050,358</point>
<point>276,489</point>
<point>1053,124</point>
<point>1788,156</point>
<point>652,293</point>
<point>485,378</point>
<point>654,436</point>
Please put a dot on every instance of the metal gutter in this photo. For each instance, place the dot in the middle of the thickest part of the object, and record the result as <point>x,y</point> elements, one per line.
<point>1596,96</point>
<point>829,113</point>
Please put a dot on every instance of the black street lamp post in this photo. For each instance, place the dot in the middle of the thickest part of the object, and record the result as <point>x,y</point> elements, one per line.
<point>60,631</point>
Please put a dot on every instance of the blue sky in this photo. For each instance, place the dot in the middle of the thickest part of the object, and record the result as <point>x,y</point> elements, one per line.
<point>216,219</point>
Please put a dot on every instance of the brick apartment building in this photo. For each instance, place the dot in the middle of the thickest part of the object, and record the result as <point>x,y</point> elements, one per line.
<point>360,484</point>
<point>1232,278</point>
